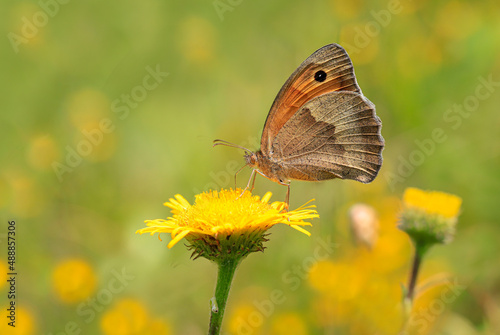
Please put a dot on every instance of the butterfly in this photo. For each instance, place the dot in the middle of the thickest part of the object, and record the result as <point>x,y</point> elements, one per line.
<point>320,126</point>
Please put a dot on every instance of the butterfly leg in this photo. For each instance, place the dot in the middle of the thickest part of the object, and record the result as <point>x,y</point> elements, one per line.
<point>287,197</point>
<point>253,181</point>
<point>252,177</point>
<point>236,175</point>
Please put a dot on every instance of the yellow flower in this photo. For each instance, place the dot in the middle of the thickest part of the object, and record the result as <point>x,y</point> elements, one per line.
<point>225,222</point>
<point>158,327</point>
<point>429,217</point>
<point>74,280</point>
<point>127,317</point>
<point>341,280</point>
<point>432,202</point>
<point>244,319</point>
<point>43,152</point>
<point>197,39</point>
<point>131,317</point>
<point>24,325</point>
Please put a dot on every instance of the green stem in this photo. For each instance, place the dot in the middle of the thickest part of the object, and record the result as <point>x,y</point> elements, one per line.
<point>420,250</point>
<point>227,267</point>
<point>413,277</point>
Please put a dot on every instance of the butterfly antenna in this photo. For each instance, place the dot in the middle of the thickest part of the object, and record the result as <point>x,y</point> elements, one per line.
<point>229,144</point>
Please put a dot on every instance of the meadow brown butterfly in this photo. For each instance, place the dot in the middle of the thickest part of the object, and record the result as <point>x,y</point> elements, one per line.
<point>320,126</point>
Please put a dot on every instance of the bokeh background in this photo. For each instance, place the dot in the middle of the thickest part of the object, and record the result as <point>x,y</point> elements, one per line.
<point>92,146</point>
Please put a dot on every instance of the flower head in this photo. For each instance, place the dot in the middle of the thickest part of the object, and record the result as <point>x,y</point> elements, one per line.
<point>226,222</point>
<point>27,327</point>
<point>429,217</point>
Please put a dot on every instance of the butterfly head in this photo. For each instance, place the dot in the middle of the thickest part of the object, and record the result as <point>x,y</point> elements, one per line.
<point>266,167</point>
<point>252,159</point>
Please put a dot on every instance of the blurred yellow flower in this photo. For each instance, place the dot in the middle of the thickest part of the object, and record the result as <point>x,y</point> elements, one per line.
<point>87,107</point>
<point>89,111</point>
<point>360,291</point>
<point>409,7</point>
<point>228,218</point>
<point>432,202</point>
<point>289,324</point>
<point>419,55</point>
<point>126,317</point>
<point>341,280</point>
<point>392,243</point>
<point>346,10</point>
<point>245,319</point>
<point>429,217</point>
<point>321,274</point>
<point>378,305</point>
<point>131,317</point>
<point>42,152</point>
<point>197,38</point>
<point>354,297</point>
<point>74,280</point>
<point>329,313</point>
<point>158,327</point>
<point>25,322</point>
<point>30,35</point>
<point>457,20</point>
<point>101,150</point>
<point>434,298</point>
<point>28,199</point>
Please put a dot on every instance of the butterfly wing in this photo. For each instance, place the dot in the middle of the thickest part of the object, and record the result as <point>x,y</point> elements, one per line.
<point>327,70</point>
<point>335,135</point>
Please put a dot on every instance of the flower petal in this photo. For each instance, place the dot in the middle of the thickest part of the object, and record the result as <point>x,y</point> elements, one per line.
<point>266,197</point>
<point>177,238</point>
<point>302,230</point>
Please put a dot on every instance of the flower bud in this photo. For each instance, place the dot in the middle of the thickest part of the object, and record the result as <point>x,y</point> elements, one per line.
<point>429,217</point>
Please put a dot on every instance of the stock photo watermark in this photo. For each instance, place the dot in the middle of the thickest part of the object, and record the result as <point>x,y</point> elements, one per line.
<point>364,35</point>
<point>293,279</point>
<point>453,118</point>
<point>12,272</point>
<point>423,317</point>
<point>223,6</point>
<point>122,107</point>
<point>31,25</point>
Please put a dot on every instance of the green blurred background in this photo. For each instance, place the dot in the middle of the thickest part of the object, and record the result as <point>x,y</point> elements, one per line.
<point>67,69</point>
